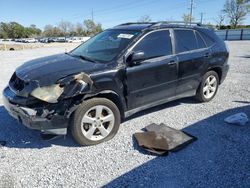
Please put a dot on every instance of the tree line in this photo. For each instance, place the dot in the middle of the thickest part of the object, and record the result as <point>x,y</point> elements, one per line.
<point>64,28</point>
<point>16,30</point>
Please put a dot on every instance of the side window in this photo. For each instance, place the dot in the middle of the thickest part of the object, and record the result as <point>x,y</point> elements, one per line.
<point>185,40</point>
<point>155,44</point>
<point>207,39</point>
<point>200,41</point>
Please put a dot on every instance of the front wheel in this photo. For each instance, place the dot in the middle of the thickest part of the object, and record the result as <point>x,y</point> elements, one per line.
<point>95,121</point>
<point>208,87</point>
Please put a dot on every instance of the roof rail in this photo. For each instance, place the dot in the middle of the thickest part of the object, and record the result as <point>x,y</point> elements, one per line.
<point>160,23</point>
<point>178,23</point>
<point>131,23</point>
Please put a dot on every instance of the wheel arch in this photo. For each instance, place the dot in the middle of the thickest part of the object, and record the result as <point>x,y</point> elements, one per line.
<point>218,70</point>
<point>112,96</point>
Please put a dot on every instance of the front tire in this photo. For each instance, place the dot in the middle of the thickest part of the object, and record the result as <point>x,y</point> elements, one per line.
<point>95,121</point>
<point>208,87</point>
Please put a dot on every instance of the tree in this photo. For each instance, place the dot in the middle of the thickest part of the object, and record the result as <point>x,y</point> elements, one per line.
<point>145,18</point>
<point>79,30</point>
<point>15,30</point>
<point>92,28</point>
<point>48,30</point>
<point>3,30</point>
<point>66,27</point>
<point>186,18</point>
<point>51,31</point>
<point>32,31</point>
<point>220,20</point>
<point>236,10</point>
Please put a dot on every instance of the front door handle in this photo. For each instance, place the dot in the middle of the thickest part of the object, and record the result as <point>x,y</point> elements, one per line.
<point>207,55</point>
<point>172,62</point>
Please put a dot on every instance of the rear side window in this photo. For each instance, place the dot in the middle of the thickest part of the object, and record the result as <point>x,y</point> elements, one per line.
<point>185,40</point>
<point>207,39</point>
<point>155,44</point>
<point>200,41</point>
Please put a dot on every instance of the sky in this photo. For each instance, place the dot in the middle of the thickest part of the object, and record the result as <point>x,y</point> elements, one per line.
<point>108,13</point>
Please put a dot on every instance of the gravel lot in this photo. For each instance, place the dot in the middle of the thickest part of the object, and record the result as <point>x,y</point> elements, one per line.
<point>219,158</point>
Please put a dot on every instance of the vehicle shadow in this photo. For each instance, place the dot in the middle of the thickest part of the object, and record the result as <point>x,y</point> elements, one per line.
<point>219,158</point>
<point>18,136</point>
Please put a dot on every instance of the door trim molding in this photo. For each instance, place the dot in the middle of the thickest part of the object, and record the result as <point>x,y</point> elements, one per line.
<point>159,102</point>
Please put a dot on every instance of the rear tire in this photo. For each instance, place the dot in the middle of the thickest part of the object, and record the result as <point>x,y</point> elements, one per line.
<point>95,121</point>
<point>208,87</point>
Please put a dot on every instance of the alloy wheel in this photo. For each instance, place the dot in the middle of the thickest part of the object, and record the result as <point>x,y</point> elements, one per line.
<point>210,87</point>
<point>97,123</point>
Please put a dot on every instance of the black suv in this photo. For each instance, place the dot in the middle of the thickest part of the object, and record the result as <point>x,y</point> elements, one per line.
<point>121,71</point>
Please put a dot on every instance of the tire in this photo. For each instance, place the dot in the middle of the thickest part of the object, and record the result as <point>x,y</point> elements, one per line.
<point>207,91</point>
<point>95,121</point>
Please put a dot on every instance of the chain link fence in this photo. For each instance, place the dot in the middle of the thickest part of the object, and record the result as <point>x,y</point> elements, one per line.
<point>234,34</point>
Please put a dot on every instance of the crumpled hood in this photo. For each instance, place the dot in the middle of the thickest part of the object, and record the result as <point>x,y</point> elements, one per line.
<point>48,70</point>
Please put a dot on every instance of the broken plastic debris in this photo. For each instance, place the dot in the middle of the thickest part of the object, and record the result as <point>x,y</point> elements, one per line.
<point>160,139</point>
<point>237,119</point>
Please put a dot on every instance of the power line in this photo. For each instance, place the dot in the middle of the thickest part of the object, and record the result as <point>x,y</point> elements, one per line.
<point>135,5</point>
<point>78,15</point>
<point>119,8</point>
<point>130,6</point>
<point>157,12</point>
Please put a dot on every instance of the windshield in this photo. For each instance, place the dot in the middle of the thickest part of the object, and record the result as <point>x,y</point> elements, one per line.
<point>105,46</point>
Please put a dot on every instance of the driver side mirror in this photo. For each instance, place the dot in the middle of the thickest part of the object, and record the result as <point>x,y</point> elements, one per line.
<point>135,58</point>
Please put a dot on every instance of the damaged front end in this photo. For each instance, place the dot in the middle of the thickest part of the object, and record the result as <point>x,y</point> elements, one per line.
<point>46,108</point>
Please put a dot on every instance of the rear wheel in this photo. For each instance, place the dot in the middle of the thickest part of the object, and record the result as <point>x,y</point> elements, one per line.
<point>95,121</point>
<point>208,87</point>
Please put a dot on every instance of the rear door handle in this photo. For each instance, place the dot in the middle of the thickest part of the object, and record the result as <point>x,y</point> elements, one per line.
<point>172,62</point>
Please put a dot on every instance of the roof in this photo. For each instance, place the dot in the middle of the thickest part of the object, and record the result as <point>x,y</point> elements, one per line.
<point>133,26</point>
<point>156,25</point>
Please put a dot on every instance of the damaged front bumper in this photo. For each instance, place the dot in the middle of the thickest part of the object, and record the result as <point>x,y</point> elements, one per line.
<point>38,118</point>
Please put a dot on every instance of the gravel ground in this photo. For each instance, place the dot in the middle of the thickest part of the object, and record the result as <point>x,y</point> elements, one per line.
<point>219,158</point>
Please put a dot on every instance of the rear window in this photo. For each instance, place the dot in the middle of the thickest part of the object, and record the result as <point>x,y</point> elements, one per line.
<point>207,39</point>
<point>200,41</point>
<point>185,40</point>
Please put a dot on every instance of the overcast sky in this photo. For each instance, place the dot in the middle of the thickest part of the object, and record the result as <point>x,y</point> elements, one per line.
<point>108,12</point>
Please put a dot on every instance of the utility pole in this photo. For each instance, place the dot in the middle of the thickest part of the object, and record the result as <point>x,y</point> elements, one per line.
<point>92,15</point>
<point>191,11</point>
<point>202,17</point>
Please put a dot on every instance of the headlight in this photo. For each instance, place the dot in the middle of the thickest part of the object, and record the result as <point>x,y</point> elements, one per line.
<point>48,94</point>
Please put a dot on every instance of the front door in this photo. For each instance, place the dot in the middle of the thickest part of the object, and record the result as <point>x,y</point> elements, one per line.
<point>155,78</point>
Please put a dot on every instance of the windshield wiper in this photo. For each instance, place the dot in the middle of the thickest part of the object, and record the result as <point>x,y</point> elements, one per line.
<point>68,53</point>
<point>86,58</point>
<point>82,57</point>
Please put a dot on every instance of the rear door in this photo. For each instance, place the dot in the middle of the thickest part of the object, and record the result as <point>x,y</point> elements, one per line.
<point>155,78</point>
<point>192,54</point>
